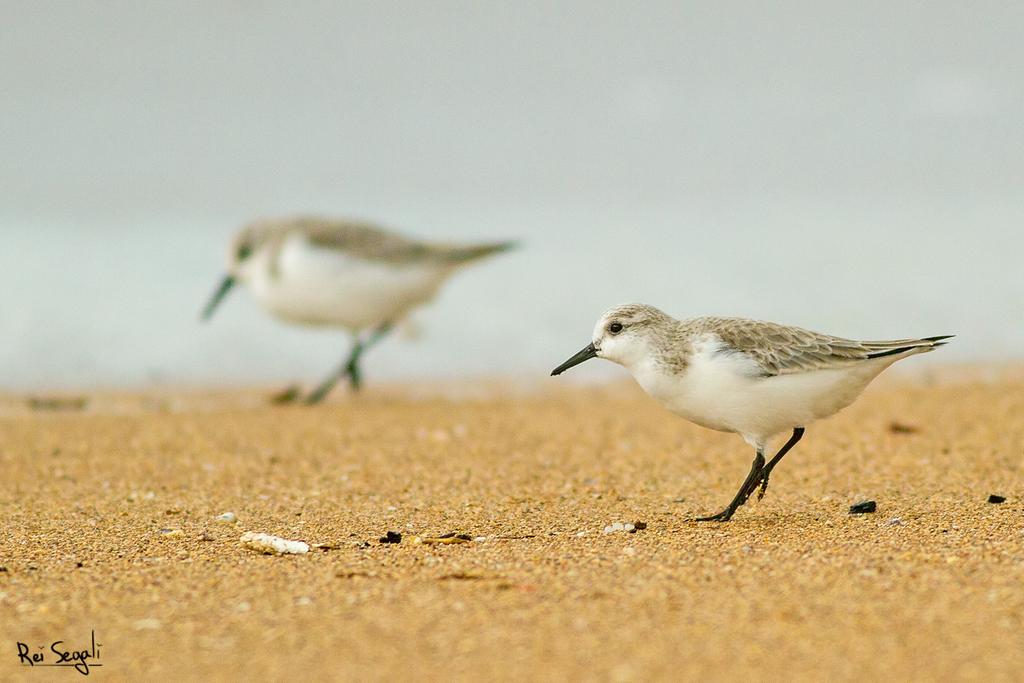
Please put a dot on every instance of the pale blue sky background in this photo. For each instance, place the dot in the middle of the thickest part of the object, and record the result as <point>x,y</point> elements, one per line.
<point>850,167</point>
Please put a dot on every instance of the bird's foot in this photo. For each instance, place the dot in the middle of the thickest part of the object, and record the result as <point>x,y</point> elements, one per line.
<point>289,394</point>
<point>723,516</point>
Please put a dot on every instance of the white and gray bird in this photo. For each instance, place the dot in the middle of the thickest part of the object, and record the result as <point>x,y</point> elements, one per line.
<point>340,273</point>
<point>757,379</point>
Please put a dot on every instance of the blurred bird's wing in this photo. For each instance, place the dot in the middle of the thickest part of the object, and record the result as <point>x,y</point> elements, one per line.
<point>372,243</point>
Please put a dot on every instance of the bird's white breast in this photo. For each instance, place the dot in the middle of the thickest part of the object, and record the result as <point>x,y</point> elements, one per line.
<point>312,285</point>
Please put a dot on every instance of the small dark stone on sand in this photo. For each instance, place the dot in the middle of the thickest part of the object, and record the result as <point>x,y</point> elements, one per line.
<point>640,526</point>
<point>993,498</point>
<point>900,428</point>
<point>863,507</point>
<point>391,537</point>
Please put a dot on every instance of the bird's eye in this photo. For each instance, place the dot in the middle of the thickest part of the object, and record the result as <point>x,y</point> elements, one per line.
<point>615,328</point>
<point>244,252</point>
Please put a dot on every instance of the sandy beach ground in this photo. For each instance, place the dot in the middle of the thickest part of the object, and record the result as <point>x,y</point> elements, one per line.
<point>929,587</point>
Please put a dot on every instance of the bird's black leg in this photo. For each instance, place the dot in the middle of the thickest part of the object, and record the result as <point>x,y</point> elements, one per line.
<point>767,471</point>
<point>748,487</point>
<point>346,369</point>
<point>352,366</point>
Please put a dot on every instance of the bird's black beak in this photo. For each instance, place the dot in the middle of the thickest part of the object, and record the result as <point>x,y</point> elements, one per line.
<point>588,352</point>
<point>222,291</point>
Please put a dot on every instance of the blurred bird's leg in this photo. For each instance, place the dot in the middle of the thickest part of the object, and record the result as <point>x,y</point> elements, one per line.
<point>355,377</point>
<point>325,387</point>
<point>352,365</point>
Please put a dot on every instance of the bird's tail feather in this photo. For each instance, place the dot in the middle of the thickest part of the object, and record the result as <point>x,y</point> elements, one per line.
<point>893,348</point>
<point>475,252</point>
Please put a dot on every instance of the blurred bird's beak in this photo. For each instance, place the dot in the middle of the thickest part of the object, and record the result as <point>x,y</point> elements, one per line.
<point>222,291</point>
<point>588,352</point>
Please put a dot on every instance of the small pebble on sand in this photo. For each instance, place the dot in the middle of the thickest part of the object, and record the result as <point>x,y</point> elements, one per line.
<point>996,499</point>
<point>226,518</point>
<point>863,507</point>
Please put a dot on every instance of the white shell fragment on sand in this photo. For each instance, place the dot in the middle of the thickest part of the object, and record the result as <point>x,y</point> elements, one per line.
<point>227,518</point>
<point>272,545</point>
<point>149,624</point>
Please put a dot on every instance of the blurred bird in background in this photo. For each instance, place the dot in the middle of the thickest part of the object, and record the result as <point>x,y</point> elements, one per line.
<point>341,273</point>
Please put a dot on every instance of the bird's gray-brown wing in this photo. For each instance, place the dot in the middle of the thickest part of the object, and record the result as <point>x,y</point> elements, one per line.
<point>364,241</point>
<point>369,242</point>
<point>781,349</point>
